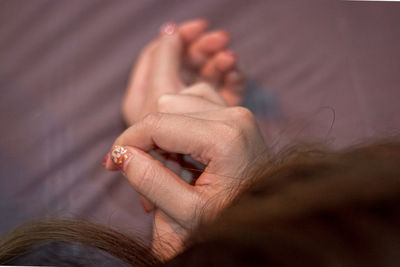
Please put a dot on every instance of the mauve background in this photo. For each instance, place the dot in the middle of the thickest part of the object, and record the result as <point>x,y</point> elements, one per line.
<point>64,66</point>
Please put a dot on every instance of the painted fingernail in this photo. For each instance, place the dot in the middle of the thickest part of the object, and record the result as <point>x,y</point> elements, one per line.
<point>105,160</point>
<point>119,156</point>
<point>168,28</point>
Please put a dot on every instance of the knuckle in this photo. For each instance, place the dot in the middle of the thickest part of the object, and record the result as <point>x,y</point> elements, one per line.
<point>163,102</point>
<point>237,133</point>
<point>233,136</point>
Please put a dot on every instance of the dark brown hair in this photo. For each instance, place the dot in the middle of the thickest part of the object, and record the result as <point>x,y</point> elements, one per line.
<point>305,208</point>
<point>34,243</point>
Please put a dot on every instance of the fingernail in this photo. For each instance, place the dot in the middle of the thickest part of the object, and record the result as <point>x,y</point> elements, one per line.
<point>119,156</point>
<point>168,28</point>
<point>105,160</point>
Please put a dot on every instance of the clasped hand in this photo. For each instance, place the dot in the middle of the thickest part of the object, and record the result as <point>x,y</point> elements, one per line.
<point>200,120</point>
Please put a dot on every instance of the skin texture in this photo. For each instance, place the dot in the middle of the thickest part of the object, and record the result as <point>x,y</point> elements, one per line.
<point>194,120</point>
<point>191,51</point>
<point>305,206</point>
<point>188,51</point>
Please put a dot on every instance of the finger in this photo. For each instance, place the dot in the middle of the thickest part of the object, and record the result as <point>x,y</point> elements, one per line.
<point>165,233</point>
<point>191,134</point>
<point>206,45</point>
<point>166,60</point>
<point>234,88</point>
<point>191,30</point>
<point>138,77</point>
<point>214,70</point>
<point>239,115</point>
<point>175,134</point>
<point>205,91</point>
<point>156,183</point>
<point>181,104</point>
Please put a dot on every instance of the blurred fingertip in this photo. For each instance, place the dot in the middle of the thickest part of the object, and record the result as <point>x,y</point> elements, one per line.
<point>226,61</point>
<point>223,33</point>
<point>191,30</point>
<point>234,76</point>
<point>202,22</point>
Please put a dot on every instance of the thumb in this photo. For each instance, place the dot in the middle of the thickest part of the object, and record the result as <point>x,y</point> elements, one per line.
<point>167,57</point>
<point>158,184</point>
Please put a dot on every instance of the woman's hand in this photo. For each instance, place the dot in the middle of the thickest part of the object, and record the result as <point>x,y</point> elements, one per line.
<point>180,54</point>
<point>157,85</point>
<point>225,139</point>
